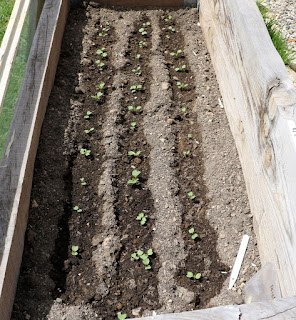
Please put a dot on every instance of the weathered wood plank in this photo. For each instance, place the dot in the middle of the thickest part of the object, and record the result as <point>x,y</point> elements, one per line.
<point>260,102</point>
<point>281,309</point>
<point>143,3</point>
<point>10,43</point>
<point>17,164</point>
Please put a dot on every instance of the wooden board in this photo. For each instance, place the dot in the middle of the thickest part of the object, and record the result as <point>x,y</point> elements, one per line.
<point>17,164</point>
<point>281,309</point>
<point>260,102</point>
<point>143,3</point>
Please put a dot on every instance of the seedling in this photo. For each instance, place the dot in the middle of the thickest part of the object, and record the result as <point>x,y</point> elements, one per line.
<point>186,153</point>
<point>171,28</point>
<point>135,178</point>
<point>137,71</point>
<point>103,34</point>
<point>138,56</point>
<point>136,88</point>
<point>191,195</point>
<point>176,54</point>
<point>181,85</point>
<point>82,181</point>
<point>133,125</point>
<point>100,63</point>
<point>193,276</point>
<point>142,218</point>
<point>98,96</point>
<point>146,24</point>
<point>134,109</point>
<point>101,52</point>
<point>189,136</point>
<point>89,131</point>
<point>143,256</point>
<point>143,32</point>
<point>167,36</point>
<point>142,44</point>
<point>85,152</point>
<point>77,209</point>
<point>101,85</point>
<point>88,114</point>
<point>168,18</point>
<point>194,235</point>
<point>182,68</point>
<point>121,316</point>
<point>75,250</point>
<point>134,154</point>
<point>184,110</point>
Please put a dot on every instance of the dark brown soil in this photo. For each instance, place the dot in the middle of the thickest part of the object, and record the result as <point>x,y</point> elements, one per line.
<point>86,200</point>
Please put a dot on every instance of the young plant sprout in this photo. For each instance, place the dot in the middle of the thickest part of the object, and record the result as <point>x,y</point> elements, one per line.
<point>138,56</point>
<point>184,110</point>
<point>191,195</point>
<point>193,276</point>
<point>182,68</point>
<point>101,52</point>
<point>168,18</point>
<point>76,208</point>
<point>186,153</point>
<point>135,178</point>
<point>171,28</point>
<point>137,71</point>
<point>189,136</point>
<point>88,114</point>
<point>143,256</point>
<point>82,181</point>
<point>176,54</point>
<point>75,250</point>
<point>100,63</point>
<point>101,85</point>
<point>98,96</point>
<point>89,131</point>
<point>181,85</point>
<point>121,316</point>
<point>143,32</point>
<point>142,218</point>
<point>134,154</point>
<point>134,109</point>
<point>85,152</point>
<point>133,126</point>
<point>146,24</point>
<point>103,34</point>
<point>167,36</point>
<point>136,88</point>
<point>194,235</point>
<point>142,44</point>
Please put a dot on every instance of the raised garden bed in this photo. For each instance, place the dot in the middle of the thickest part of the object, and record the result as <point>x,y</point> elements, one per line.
<point>92,191</point>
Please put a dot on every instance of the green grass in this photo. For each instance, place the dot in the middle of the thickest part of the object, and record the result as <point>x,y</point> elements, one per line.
<point>278,39</point>
<point>6,7</point>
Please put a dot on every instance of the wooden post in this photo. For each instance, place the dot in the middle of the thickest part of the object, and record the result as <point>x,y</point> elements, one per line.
<point>17,164</point>
<point>260,102</point>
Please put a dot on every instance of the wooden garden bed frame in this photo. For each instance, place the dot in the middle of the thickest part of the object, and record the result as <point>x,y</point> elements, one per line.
<point>260,102</point>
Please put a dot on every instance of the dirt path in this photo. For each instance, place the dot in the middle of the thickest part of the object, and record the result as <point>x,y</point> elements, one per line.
<point>84,194</point>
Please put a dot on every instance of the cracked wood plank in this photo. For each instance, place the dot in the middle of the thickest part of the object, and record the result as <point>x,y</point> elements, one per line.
<point>281,309</point>
<point>17,164</point>
<point>260,103</point>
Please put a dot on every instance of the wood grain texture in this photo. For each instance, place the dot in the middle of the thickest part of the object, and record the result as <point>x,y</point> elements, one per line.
<point>260,102</point>
<point>281,309</point>
<point>143,3</point>
<point>17,164</point>
<point>10,43</point>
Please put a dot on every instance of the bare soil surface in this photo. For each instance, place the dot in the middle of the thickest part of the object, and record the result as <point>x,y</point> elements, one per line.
<point>82,195</point>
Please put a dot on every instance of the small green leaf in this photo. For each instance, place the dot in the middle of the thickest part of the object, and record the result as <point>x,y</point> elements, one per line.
<point>75,248</point>
<point>189,275</point>
<point>146,261</point>
<point>194,236</point>
<point>135,173</point>
<point>140,252</point>
<point>121,316</point>
<point>148,267</point>
<point>191,230</point>
<point>197,276</point>
<point>150,252</point>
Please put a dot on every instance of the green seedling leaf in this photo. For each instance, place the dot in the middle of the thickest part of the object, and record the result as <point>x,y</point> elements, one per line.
<point>85,152</point>
<point>82,181</point>
<point>134,256</point>
<point>98,96</point>
<point>133,125</point>
<point>148,267</point>
<point>168,18</point>
<point>150,252</point>
<point>191,195</point>
<point>146,261</point>
<point>75,250</point>
<point>121,316</point>
<point>197,276</point>
<point>171,28</point>
<point>140,253</point>
<point>135,173</point>
<point>189,135</point>
<point>194,236</point>
<point>191,231</point>
<point>138,56</point>
<point>189,275</point>
<point>99,63</point>
<point>134,154</point>
<point>76,208</point>
<point>88,114</point>
<point>186,153</point>
<point>101,85</point>
<point>89,131</point>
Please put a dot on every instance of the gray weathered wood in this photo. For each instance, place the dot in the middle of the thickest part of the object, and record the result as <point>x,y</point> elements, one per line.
<point>260,102</point>
<point>281,309</point>
<point>17,164</point>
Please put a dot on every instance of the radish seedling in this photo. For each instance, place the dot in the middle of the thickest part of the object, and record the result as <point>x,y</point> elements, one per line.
<point>142,218</point>
<point>137,71</point>
<point>101,52</point>
<point>121,316</point>
<point>146,24</point>
<point>75,250</point>
<point>194,235</point>
<point>98,96</point>
<point>180,68</point>
<point>176,54</point>
<point>89,131</point>
<point>99,63</point>
<point>101,85</point>
<point>189,136</point>
<point>184,110</point>
<point>82,181</point>
<point>181,85</point>
<point>171,28</point>
<point>186,153</point>
<point>134,154</point>
<point>193,276</point>
<point>136,88</point>
<point>143,32</point>
<point>191,195</point>
<point>138,56</point>
<point>85,152</point>
<point>134,109</point>
<point>135,178</point>
<point>143,256</point>
<point>133,126</point>
<point>142,44</point>
<point>168,18</point>
<point>76,208</point>
<point>88,114</point>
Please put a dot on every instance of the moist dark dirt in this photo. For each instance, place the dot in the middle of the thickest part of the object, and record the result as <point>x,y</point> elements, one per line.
<point>82,193</point>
